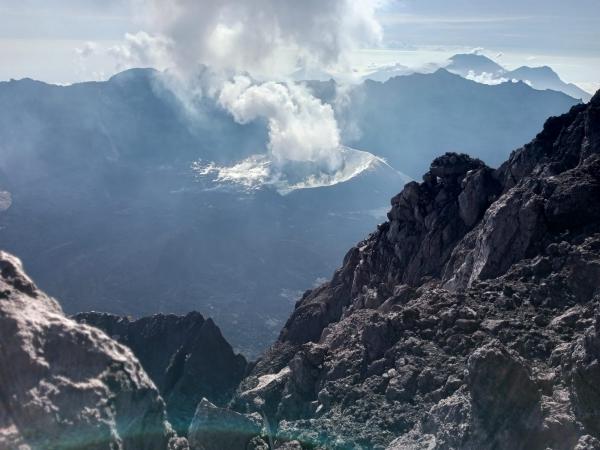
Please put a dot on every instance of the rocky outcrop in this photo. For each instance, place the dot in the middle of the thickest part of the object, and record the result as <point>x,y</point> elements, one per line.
<point>215,428</point>
<point>64,385</point>
<point>5,200</point>
<point>187,357</point>
<point>469,320</point>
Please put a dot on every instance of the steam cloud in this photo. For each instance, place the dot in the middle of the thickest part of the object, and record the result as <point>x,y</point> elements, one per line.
<point>258,35</point>
<point>262,37</point>
<point>142,49</point>
<point>301,128</point>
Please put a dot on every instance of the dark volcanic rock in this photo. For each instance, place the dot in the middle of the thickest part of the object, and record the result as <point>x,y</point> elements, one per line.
<point>64,385</point>
<point>215,428</point>
<point>468,320</point>
<point>504,397</point>
<point>187,358</point>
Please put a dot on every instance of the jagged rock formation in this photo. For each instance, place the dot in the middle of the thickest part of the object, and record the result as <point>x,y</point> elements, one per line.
<point>469,320</point>
<point>215,428</point>
<point>187,357</point>
<point>64,385</point>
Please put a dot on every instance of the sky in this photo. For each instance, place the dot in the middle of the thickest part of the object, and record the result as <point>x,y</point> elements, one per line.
<point>66,41</point>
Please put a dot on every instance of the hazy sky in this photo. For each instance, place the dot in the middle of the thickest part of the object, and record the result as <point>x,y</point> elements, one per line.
<point>64,41</point>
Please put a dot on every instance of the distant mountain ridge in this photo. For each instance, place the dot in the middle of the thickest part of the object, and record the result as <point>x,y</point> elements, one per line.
<point>480,68</point>
<point>477,65</point>
<point>409,119</point>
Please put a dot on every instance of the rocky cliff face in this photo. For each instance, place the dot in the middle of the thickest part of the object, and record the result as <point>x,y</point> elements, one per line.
<point>187,358</point>
<point>64,385</point>
<point>469,320</point>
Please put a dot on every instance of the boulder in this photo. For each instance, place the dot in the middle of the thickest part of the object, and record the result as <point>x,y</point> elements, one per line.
<point>69,385</point>
<point>503,392</point>
<point>214,428</point>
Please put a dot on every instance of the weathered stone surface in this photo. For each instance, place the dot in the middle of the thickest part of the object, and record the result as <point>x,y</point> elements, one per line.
<point>215,428</point>
<point>465,321</point>
<point>584,370</point>
<point>65,385</point>
<point>504,397</point>
<point>186,357</point>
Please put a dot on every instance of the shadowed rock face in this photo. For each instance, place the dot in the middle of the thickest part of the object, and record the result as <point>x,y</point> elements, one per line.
<point>64,385</point>
<point>186,357</point>
<point>469,320</point>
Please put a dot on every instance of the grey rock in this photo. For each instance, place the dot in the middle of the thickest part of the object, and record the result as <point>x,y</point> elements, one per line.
<point>467,321</point>
<point>584,370</point>
<point>186,356</point>
<point>504,397</point>
<point>68,385</point>
<point>214,428</point>
<point>587,442</point>
<point>5,200</point>
<point>479,189</point>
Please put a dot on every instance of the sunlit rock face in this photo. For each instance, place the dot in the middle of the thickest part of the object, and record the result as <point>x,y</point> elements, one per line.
<point>69,386</point>
<point>470,319</point>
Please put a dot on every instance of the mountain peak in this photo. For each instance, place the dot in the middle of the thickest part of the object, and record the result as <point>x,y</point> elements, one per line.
<point>137,73</point>
<point>471,57</point>
<point>463,63</point>
<point>481,279</point>
<point>454,165</point>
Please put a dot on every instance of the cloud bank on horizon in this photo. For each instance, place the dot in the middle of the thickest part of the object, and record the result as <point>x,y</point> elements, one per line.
<point>415,32</point>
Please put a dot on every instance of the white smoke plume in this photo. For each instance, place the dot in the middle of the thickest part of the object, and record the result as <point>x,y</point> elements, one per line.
<point>261,35</point>
<point>266,38</point>
<point>301,128</point>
